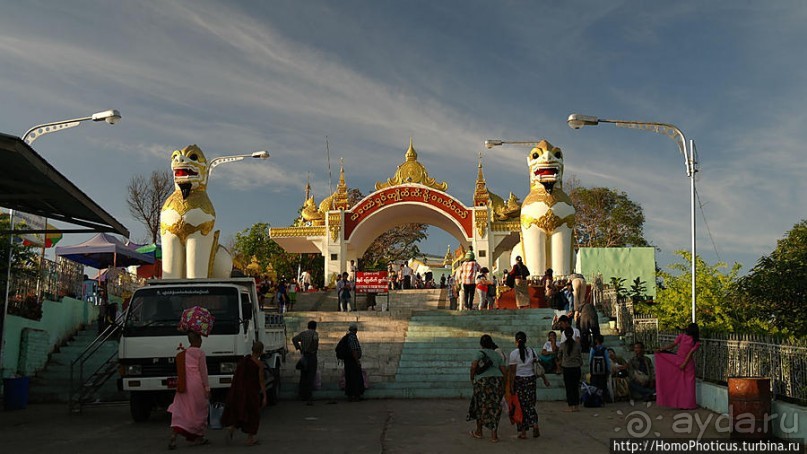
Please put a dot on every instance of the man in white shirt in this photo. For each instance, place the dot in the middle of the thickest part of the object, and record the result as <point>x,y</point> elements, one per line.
<point>306,280</point>
<point>353,268</point>
<point>406,274</point>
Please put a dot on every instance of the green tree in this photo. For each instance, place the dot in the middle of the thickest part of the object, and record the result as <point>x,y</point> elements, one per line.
<point>255,242</point>
<point>606,218</point>
<point>397,243</point>
<point>778,282</point>
<point>716,297</point>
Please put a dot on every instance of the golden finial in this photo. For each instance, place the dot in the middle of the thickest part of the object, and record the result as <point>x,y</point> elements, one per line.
<point>411,154</point>
<point>411,171</point>
<point>307,186</point>
<point>481,193</point>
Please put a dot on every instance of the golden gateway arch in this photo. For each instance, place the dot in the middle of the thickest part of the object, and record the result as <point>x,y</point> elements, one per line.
<point>341,232</point>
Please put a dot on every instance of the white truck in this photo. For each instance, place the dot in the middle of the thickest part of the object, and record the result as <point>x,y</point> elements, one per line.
<point>150,341</point>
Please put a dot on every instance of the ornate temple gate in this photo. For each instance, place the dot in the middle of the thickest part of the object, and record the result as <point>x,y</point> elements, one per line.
<point>341,232</point>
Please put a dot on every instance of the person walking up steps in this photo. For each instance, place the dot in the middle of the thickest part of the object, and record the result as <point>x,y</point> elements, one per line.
<point>468,272</point>
<point>307,343</point>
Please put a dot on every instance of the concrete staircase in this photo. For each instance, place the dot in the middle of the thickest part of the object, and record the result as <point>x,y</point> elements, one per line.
<point>419,349</point>
<point>52,383</point>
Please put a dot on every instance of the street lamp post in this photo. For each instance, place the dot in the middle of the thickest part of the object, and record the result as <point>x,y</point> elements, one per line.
<point>687,149</point>
<point>111,116</point>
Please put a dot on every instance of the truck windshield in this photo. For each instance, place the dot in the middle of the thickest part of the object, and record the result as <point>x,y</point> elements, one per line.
<point>156,311</point>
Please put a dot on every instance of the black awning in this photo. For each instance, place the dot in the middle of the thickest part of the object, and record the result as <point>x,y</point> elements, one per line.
<point>29,183</point>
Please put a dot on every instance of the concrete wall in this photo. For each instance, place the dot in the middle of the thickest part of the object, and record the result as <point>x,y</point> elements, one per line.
<point>59,321</point>
<point>787,420</point>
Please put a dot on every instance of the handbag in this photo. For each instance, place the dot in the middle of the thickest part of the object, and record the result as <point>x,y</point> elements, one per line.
<point>483,364</point>
<point>216,410</point>
<point>537,368</point>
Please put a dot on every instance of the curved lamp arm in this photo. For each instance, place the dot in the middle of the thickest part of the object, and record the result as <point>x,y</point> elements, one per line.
<point>111,116</point>
<point>577,121</point>
<point>225,159</point>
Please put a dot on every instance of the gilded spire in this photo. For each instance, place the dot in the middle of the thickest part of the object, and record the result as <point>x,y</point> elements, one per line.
<point>411,154</point>
<point>338,200</point>
<point>307,187</point>
<point>447,259</point>
<point>340,196</point>
<point>481,193</point>
<point>411,171</point>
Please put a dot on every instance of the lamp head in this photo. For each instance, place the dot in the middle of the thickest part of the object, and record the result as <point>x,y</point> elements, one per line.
<point>577,121</point>
<point>111,116</point>
<point>490,143</point>
<point>260,154</point>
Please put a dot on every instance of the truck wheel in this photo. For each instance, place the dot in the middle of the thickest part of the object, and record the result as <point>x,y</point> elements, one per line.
<point>140,406</point>
<point>273,392</point>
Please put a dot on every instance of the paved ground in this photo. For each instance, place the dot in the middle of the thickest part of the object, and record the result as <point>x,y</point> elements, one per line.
<point>372,426</point>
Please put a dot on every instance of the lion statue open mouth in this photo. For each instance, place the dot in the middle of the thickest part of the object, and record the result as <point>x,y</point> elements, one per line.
<point>547,214</point>
<point>189,245</point>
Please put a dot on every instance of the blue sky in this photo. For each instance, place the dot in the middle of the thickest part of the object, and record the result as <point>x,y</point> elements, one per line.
<point>239,76</point>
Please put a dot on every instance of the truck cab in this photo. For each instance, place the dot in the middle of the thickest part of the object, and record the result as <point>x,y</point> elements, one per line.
<point>150,340</point>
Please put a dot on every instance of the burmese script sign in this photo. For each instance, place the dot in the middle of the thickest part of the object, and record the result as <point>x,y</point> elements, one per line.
<point>409,193</point>
<point>371,281</point>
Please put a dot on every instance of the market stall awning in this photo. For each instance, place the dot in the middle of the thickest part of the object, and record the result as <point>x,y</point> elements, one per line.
<point>104,251</point>
<point>30,184</point>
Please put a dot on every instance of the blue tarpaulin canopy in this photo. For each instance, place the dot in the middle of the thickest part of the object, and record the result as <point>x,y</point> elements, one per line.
<point>104,251</point>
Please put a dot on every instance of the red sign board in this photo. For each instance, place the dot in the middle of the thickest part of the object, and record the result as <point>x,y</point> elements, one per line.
<point>371,281</point>
<point>450,206</point>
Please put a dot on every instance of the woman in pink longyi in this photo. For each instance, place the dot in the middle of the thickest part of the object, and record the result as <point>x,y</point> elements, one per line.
<point>675,372</point>
<point>190,407</point>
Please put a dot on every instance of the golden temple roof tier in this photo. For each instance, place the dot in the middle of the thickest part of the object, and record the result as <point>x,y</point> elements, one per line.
<point>339,199</point>
<point>298,240</point>
<point>481,193</point>
<point>412,171</point>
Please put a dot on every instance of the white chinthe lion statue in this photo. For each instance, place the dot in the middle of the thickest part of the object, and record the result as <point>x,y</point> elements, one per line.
<point>189,244</point>
<point>547,214</point>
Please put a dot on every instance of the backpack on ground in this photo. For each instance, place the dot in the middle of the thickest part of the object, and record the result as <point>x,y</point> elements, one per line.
<point>343,348</point>
<point>592,396</point>
<point>598,364</point>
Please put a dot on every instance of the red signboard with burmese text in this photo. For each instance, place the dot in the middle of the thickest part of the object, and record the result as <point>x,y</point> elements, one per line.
<point>371,281</point>
<point>443,202</point>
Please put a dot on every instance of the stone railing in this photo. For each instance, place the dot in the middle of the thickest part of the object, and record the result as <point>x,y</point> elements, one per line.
<point>725,355</point>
